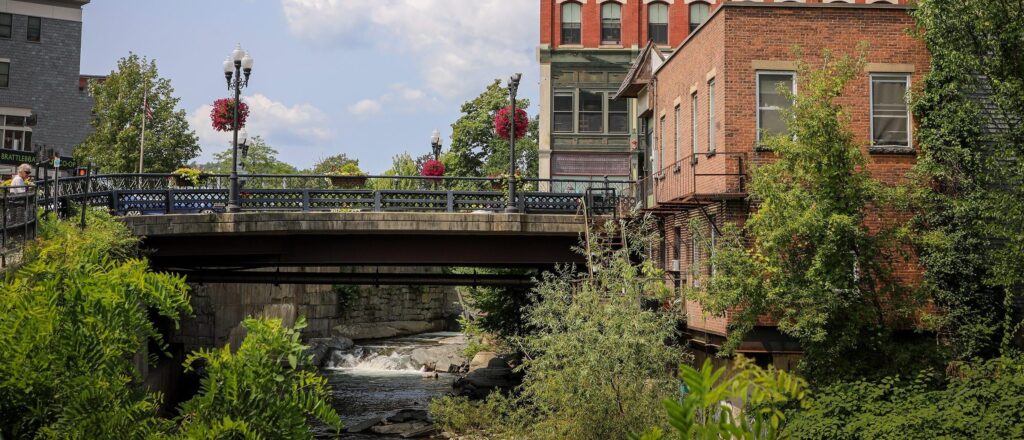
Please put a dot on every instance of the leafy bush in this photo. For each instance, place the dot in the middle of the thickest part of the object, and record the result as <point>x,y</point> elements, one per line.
<point>745,403</point>
<point>982,400</point>
<point>71,318</point>
<point>258,391</point>
<point>459,414</point>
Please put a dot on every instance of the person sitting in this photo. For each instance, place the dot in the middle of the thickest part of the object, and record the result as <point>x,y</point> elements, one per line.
<point>20,182</point>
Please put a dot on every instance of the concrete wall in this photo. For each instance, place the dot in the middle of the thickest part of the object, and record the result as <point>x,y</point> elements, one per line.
<point>44,79</point>
<point>220,308</point>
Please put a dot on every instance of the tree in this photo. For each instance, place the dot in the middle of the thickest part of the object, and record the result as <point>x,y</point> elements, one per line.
<point>261,159</point>
<point>401,165</point>
<point>114,144</point>
<point>971,201</point>
<point>477,151</point>
<point>332,163</point>
<point>806,256</point>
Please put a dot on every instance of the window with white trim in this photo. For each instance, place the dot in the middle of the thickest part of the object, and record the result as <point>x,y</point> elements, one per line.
<point>562,120</point>
<point>676,126</point>
<point>711,116</point>
<point>591,112</point>
<point>693,123</point>
<point>571,23</point>
<point>15,133</point>
<point>661,145</point>
<point>890,114</point>
<point>611,23</point>
<point>657,22</point>
<point>772,101</point>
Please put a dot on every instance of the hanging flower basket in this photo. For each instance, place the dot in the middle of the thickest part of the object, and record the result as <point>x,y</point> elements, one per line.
<point>502,123</point>
<point>348,176</point>
<point>187,177</point>
<point>223,114</point>
<point>433,170</point>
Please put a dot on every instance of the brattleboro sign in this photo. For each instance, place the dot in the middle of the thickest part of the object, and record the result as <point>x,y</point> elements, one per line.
<point>16,157</point>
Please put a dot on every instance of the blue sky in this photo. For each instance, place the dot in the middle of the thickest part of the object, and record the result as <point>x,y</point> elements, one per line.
<point>369,78</point>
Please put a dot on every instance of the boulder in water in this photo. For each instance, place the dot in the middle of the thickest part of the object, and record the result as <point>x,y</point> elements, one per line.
<point>322,348</point>
<point>478,383</point>
<point>442,358</point>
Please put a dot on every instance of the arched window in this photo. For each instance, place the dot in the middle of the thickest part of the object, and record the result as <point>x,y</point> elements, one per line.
<point>611,23</point>
<point>657,22</point>
<point>570,23</point>
<point>698,14</point>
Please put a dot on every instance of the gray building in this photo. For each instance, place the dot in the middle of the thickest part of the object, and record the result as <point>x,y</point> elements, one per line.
<point>44,100</point>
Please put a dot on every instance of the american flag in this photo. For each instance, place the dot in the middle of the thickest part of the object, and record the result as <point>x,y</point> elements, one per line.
<point>145,108</point>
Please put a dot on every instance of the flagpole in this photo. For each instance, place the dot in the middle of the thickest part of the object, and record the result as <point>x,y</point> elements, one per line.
<point>142,137</point>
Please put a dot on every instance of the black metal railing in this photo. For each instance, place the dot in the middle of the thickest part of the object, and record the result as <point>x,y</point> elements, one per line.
<point>141,194</point>
<point>18,212</point>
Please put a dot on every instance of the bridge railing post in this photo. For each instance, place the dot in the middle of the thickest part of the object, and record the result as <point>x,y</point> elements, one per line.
<point>450,205</point>
<point>376,201</point>
<point>168,200</point>
<point>305,200</point>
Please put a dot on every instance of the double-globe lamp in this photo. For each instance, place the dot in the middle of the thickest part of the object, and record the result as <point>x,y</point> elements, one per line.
<point>237,68</point>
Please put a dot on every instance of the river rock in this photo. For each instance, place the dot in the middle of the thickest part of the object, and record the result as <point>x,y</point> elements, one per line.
<point>322,348</point>
<point>405,429</point>
<point>486,359</point>
<point>478,383</point>
<point>380,330</point>
<point>364,425</point>
<point>442,358</point>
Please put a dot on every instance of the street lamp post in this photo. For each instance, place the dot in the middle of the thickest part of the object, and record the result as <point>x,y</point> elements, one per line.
<point>237,68</point>
<point>435,144</point>
<point>513,87</point>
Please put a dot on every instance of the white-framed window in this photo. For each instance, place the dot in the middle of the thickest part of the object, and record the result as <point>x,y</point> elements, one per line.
<point>657,22</point>
<point>890,113</point>
<point>5,74</point>
<point>698,14</point>
<point>677,137</point>
<point>611,23</point>
<point>562,109</point>
<point>711,116</point>
<point>15,134</point>
<point>771,101</point>
<point>693,123</point>
<point>571,24</point>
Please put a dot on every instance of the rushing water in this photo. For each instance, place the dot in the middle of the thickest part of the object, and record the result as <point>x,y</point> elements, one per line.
<point>373,380</point>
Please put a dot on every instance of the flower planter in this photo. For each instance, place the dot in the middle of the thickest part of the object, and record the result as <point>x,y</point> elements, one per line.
<point>182,182</point>
<point>347,181</point>
<point>496,184</point>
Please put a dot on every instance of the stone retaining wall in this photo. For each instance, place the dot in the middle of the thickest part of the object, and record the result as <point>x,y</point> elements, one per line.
<point>220,308</point>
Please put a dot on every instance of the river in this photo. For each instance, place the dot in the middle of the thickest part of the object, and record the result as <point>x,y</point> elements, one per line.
<point>377,378</point>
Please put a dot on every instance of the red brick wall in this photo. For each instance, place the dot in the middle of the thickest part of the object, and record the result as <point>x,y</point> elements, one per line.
<point>634,22</point>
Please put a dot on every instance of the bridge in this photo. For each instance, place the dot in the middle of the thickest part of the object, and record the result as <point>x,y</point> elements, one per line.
<point>291,221</point>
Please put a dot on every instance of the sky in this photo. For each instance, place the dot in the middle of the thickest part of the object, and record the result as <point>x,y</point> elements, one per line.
<point>368,78</point>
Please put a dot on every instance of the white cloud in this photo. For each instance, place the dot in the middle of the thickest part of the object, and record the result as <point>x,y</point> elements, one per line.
<point>296,124</point>
<point>365,107</point>
<point>459,46</point>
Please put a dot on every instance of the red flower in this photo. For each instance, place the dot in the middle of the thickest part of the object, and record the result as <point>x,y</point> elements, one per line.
<point>432,168</point>
<point>502,124</point>
<point>223,114</point>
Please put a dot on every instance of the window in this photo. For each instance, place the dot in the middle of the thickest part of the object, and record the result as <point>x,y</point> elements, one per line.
<point>771,102</point>
<point>563,112</point>
<point>611,23</point>
<point>678,242</point>
<point>14,133</point>
<point>714,240</point>
<point>618,115</point>
<point>570,23</point>
<point>711,116</point>
<point>677,135</point>
<point>661,145</point>
<point>591,107</point>
<point>890,117</point>
<point>5,74</point>
<point>698,15</point>
<point>657,23</point>
<point>6,25</point>
<point>693,124</point>
<point>35,25</point>
<point>695,262</point>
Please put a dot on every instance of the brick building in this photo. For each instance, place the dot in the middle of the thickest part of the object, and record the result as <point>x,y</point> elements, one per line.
<point>43,98</point>
<point>710,102</point>
<point>586,48</point>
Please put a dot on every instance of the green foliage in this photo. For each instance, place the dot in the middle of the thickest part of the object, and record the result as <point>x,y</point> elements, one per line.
<point>476,150</point>
<point>401,165</point>
<point>484,418</point>
<point>261,159</point>
<point>745,402</point>
<point>71,318</point>
<point>814,264</point>
<point>971,202</point>
<point>331,163</point>
<point>981,400</point>
<point>114,144</point>
<point>192,175</point>
<point>258,391</point>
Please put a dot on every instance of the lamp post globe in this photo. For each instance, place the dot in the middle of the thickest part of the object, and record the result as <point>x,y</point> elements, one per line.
<point>237,68</point>
<point>435,144</point>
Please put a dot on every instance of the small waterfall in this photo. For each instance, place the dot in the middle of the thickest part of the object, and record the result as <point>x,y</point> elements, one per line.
<point>376,358</point>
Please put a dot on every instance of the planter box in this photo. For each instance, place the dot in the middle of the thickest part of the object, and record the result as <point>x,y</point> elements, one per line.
<point>183,182</point>
<point>347,181</point>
